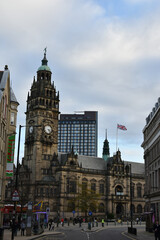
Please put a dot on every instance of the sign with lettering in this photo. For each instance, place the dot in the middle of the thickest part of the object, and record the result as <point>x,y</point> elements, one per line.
<point>15,196</point>
<point>10,156</point>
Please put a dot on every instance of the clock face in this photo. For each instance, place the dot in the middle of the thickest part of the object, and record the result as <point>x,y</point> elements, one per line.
<point>30,129</point>
<point>48,129</point>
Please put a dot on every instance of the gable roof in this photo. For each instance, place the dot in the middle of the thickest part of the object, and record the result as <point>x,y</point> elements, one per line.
<point>96,163</point>
<point>136,168</point>
<point>4,75</point>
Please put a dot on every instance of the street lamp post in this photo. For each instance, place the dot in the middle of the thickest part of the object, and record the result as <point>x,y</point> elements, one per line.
<point>16,184</point>
<point>131,192</point>
<point>19,137</point>
<point>16,181</point>
<point>131,229</point>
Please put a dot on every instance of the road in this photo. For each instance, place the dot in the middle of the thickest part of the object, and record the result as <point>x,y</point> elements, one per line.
<point>78,234</point>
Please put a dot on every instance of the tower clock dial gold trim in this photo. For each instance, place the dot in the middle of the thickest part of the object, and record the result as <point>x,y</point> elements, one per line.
<point>48,129</point>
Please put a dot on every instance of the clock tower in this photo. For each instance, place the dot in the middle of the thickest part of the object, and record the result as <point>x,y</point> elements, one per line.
<point>41,137</point>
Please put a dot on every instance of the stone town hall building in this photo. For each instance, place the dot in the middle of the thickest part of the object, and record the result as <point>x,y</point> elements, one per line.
<point>57,179</point>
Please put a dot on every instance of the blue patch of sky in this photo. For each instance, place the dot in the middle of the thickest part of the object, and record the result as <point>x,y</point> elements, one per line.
<point>126,9</point>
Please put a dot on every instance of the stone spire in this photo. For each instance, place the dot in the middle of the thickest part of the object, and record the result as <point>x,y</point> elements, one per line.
<point>44,66</point>
<point>106,153</point>
<point>44,60</point>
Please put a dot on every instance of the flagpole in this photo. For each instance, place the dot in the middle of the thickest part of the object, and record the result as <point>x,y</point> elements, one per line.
<point>116,138</point>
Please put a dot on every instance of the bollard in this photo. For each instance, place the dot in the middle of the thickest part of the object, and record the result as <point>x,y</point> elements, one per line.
<point>115,223</point>
<point>1,233</point>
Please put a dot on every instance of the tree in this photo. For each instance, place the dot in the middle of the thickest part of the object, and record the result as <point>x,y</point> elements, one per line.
<point>85,200</point>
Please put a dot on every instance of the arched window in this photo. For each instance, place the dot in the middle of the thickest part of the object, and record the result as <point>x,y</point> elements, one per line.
<point>101,188</point>
<point>132,208</point>
<point>84,185</point>
<point>93,187</point>
<point>101,207</point>
<point>41,192</point>
<point>139,191</point>
<point>71,206</point>
<point>42,76</point>
<point>71,186</point>
<point>51,192</point>
<point>118,190</point>
<point>119,208</point>
<point>132,189</point>
<point>139,208</point>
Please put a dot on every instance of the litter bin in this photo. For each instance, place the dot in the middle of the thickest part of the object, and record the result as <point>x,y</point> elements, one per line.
<point>1,233</point>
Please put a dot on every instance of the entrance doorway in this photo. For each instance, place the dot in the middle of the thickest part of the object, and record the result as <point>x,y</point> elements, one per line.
<point>119,210</point>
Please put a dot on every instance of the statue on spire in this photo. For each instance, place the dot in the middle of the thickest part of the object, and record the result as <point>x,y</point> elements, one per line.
<point>45,50</point>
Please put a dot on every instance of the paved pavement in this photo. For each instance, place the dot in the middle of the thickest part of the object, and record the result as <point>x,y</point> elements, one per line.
<point>141,233</point>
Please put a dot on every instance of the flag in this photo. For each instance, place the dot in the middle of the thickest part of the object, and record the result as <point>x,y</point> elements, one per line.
<point>121,127</point>
<point>153,218</point>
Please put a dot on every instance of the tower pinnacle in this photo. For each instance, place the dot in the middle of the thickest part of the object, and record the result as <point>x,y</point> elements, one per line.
<point>44,63</point>
<point>105,148</point>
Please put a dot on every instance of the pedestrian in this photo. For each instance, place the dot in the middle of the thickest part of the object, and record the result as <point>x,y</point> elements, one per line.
<point>52,226</point>
<point>102,222</point>
<point>156,229</point>
<point>137,220</point>
<point>62,222</point>
<point>23,227</point>
<point>50,223</point>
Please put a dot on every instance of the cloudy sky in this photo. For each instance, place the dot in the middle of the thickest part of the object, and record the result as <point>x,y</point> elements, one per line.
<point>104,56</point>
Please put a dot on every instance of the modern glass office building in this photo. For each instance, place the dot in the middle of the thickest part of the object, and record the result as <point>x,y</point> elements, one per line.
<point>80,131</point>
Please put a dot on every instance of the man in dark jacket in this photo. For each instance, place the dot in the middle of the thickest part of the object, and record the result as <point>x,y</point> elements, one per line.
<point>156,229</point>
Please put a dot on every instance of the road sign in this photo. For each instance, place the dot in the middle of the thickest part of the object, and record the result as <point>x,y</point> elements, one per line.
<point>29,205</point>
<point>90,213</point>
<point>15,196</point>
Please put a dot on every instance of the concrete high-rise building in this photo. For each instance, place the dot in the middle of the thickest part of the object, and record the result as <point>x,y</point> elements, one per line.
<point>80,131</point>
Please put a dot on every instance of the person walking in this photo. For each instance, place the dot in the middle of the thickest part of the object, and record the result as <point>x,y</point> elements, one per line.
<point>52,226</point>
<point>23,227</point>
<point>156,229</point>
<point>50,223</point>
<point>102,222</point>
